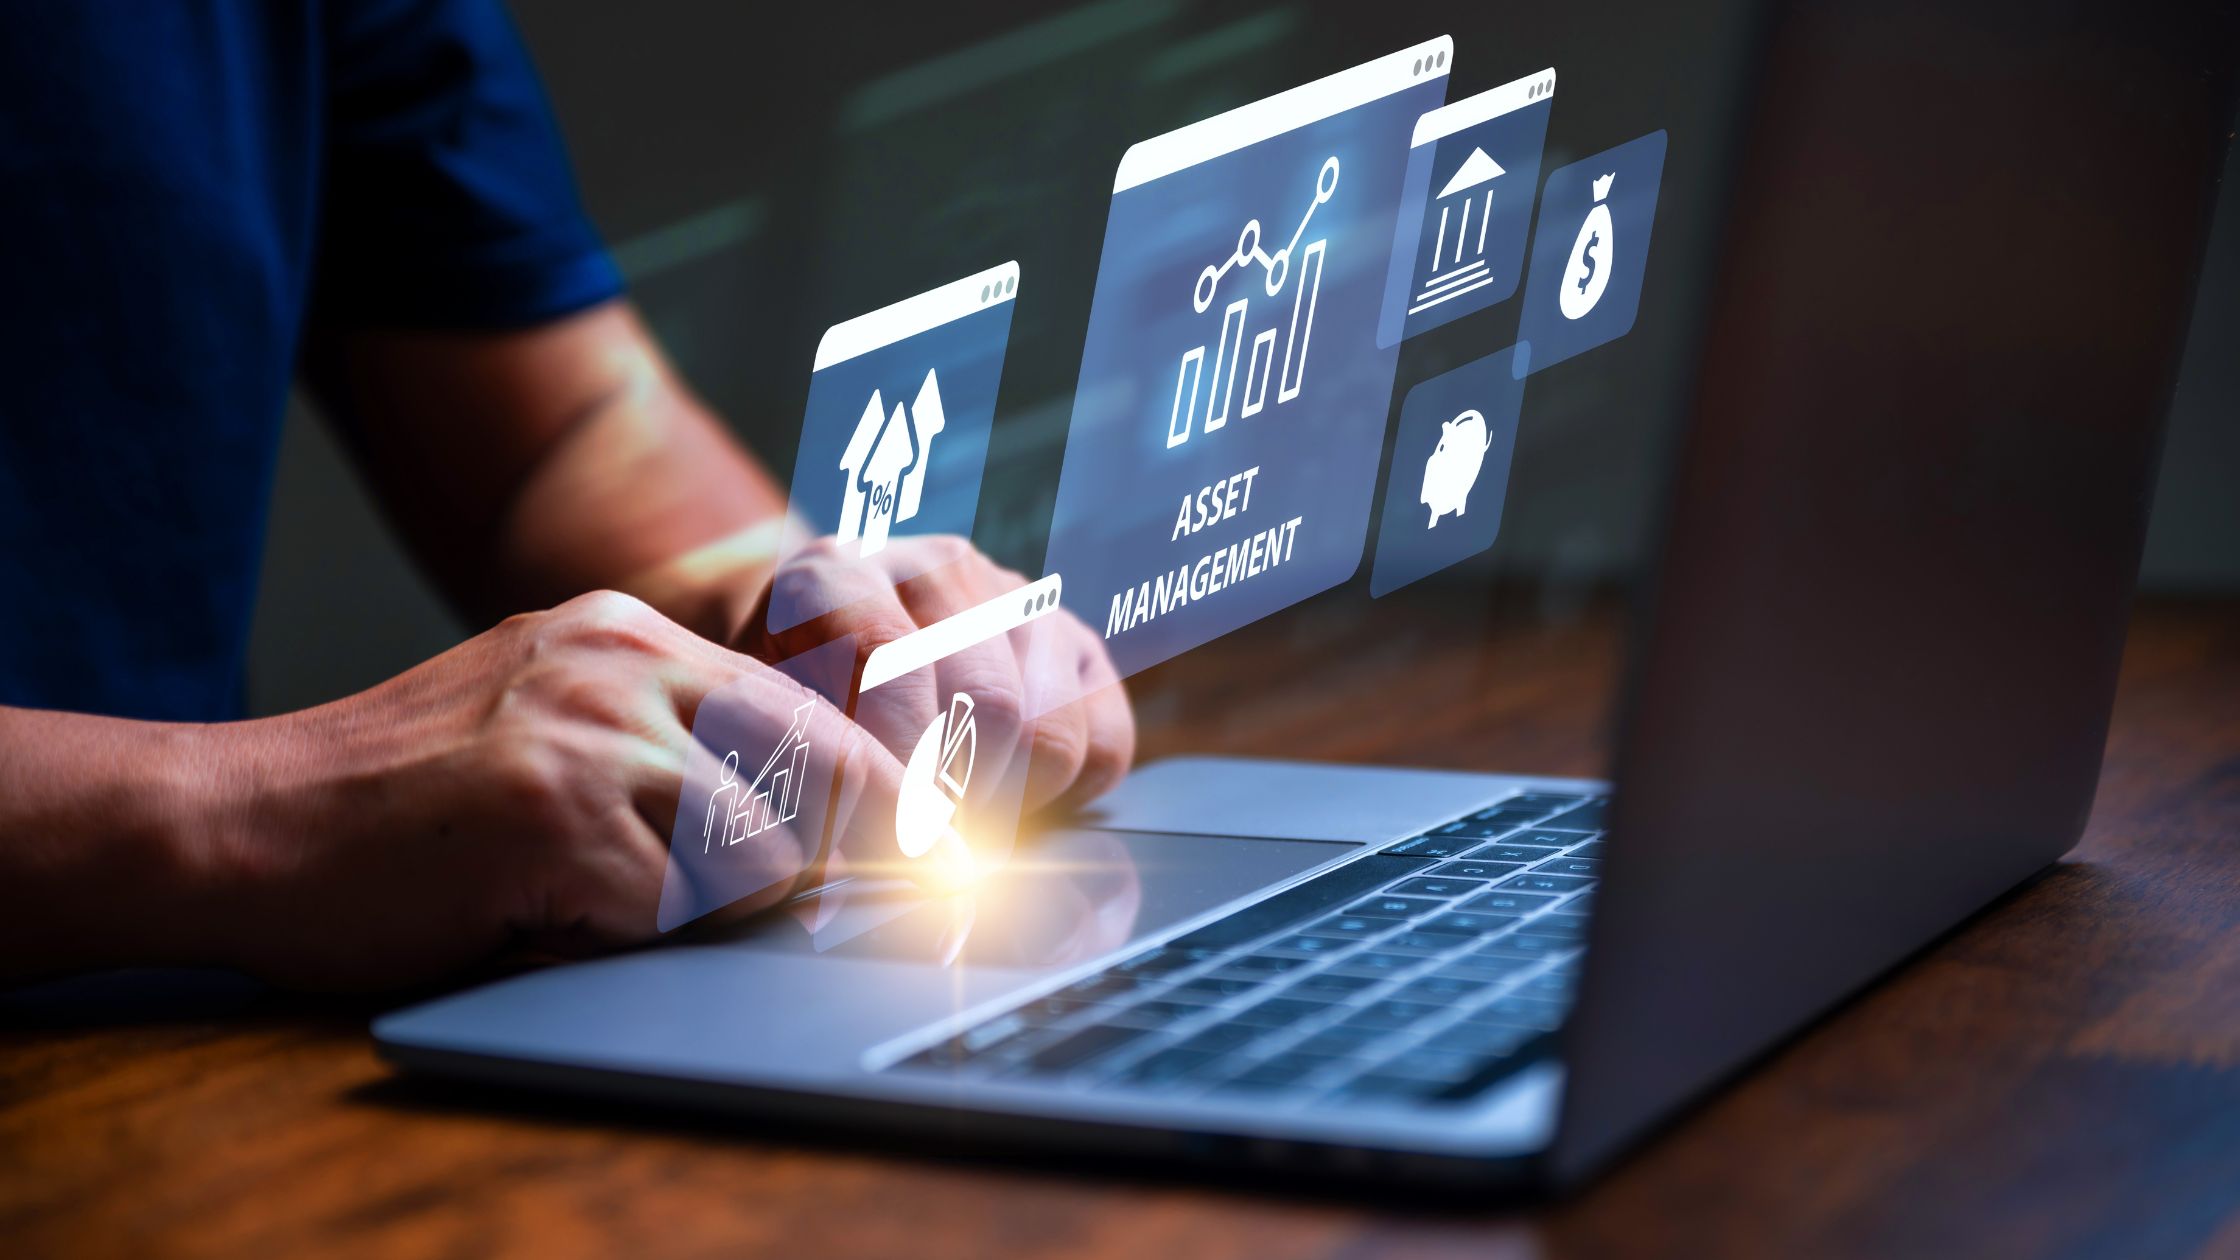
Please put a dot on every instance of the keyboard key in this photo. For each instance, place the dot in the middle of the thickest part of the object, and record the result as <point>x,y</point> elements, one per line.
<point>1044,1012</point>
<point>1518,854</point>
<point>1308,946</point>
<point>1441,988</point>
<point>1506,901</point>
<point>1393,1013</point>
<point>1221,1038</point>
<point>1555,986</point>
<point>1438,886</point>
<point>1538,882</point>
<point>1544,800</point>
<point>1476,829</point>
<point>1570,927</point>
<point>1085,1046</point>
<point>1158,1012</point>
<point>1047,1010</point>
<point>1423,943</point>
<point>1280,1012</point>
<point>1591,849</point>
<point>1214,988</point>
<point>1167,1066</point>
<point>1281,1071</point>
<point>1568,865</point>
<point>1466,924</point>
<point>1161,961</point>
<point>1310,900</point>
<point>1483,966</point>
<point>1328,984</point>
<point>1103,984</point>
<point>1472,868</point>
<point>1506,817</point>
<point>1341,1040</point>
<point>1583,817</point>
<point>1378,963</point>
<point>1544,839</point>
<point>1431,846</point>
<point>1521,1012</point>
<point>1348,926</point>
<point>1388,906</point>
<point>1259,964</point>
<point>975,1042</point>
<point>1525,945</point>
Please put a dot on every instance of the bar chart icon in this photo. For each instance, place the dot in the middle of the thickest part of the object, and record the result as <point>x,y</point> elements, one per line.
<point>1202,398</point>
<point>774,797</point>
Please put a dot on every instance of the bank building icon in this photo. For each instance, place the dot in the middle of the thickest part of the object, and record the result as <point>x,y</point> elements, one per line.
<point>1458,248</point>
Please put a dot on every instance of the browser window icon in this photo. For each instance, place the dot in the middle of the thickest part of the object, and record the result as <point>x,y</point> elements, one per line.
<point>895,438</point>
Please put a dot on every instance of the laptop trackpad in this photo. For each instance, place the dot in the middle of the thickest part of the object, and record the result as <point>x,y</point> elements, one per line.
<point>1070,898</point>
<point>1290,800</point>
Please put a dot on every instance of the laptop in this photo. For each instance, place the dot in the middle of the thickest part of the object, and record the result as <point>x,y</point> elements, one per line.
<point>1916,282</point>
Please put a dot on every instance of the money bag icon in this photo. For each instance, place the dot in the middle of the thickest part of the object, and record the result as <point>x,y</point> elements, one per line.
<point>1588,273</point>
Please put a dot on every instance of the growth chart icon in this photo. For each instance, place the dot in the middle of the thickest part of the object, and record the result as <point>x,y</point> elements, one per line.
<point>771,799</point>
<point>885,465</point>
<point>1588,272</point>
<point>1193,384</point>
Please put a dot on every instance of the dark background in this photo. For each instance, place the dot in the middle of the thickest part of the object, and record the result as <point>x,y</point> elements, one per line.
<point>761,178</point>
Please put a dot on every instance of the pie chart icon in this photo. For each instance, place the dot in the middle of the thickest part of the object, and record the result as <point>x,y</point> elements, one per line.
<point>934,780</point>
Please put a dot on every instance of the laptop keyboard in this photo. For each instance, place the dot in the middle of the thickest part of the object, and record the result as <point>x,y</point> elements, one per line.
<point>1424,973</point>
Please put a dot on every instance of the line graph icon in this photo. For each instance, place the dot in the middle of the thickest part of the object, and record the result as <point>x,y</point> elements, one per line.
<point>1193,385</point>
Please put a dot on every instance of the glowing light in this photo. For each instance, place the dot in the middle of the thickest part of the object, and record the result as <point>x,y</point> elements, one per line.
<point>951,867</point>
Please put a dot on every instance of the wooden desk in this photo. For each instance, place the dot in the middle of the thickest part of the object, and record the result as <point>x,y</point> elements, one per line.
<point>2061,1077</point>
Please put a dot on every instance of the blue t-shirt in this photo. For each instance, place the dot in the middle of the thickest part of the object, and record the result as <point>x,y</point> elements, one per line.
<point>183,189</point>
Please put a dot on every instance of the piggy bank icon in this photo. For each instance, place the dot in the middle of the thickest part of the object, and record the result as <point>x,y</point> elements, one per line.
<point>1453,468</point>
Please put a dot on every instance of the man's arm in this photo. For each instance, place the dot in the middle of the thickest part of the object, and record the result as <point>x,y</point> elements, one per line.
<point>103,852</point>
<point>518,789</point>
<point>529,466</point>
<point>526,467</point>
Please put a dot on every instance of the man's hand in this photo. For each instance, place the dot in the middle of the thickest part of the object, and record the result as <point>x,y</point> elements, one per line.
<point>527,465</point>
<point>1079,750</point>
<point>516,790</point>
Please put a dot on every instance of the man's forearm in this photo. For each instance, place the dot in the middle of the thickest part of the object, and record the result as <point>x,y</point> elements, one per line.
<point>646,479</point>
<point>648,495</point>
<point>108,843</point>
<point>529,466</point>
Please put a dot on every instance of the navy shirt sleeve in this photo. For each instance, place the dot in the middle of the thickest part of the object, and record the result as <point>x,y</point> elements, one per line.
<point>446,198</point>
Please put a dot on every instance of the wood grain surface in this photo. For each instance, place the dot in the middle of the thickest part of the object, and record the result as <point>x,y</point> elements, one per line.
<point>2059,1077</point>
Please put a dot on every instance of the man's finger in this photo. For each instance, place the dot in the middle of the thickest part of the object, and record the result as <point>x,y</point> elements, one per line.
<point>1110,720</point>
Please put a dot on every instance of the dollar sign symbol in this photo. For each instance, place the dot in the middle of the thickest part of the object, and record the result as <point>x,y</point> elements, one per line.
<point>1586,260</point>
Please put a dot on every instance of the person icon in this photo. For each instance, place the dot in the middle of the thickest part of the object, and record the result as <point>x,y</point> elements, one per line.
<point>727,787</point>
